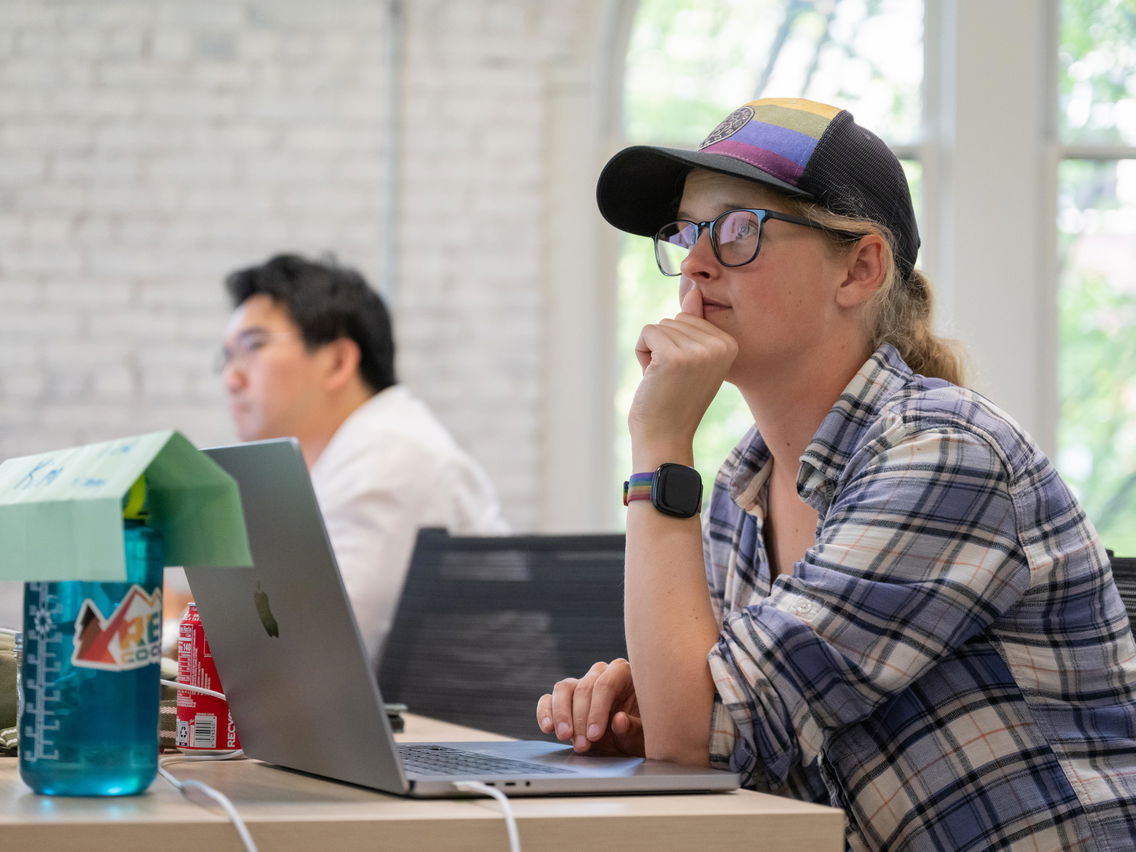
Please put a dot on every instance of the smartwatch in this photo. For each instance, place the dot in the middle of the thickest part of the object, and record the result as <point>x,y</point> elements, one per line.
<point>673,489</point>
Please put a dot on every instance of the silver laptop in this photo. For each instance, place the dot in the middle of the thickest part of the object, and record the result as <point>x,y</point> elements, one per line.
<point>302,692</point>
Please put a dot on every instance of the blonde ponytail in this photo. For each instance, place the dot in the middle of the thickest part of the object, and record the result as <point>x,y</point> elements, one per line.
<point>901,314</point>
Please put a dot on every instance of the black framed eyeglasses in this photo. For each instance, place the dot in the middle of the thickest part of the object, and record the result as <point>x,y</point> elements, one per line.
<point>735,237</point>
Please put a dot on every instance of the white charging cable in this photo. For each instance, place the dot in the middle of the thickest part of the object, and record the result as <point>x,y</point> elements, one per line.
<point>202,690</point>
<point>506,809</point>
<point>188,688</point>
<point>187,787</point>
<point>477,786</point>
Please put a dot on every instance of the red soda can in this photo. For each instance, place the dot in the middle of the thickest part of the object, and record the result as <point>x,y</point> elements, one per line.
<point>204,723</point>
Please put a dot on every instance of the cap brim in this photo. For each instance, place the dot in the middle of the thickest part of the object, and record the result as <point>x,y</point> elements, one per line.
<point>639,188</point>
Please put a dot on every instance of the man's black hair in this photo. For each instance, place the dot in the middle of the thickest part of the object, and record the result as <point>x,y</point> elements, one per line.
<point>328,302</point>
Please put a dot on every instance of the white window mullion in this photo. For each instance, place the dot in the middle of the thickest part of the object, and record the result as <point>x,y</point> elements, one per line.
<point>581,262</point>
<point>993,182</point>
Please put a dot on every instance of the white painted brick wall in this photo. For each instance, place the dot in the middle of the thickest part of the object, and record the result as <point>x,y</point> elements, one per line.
<point>147,148</point>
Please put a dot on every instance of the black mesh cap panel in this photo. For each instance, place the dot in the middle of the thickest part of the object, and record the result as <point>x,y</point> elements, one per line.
<point>853,173</point>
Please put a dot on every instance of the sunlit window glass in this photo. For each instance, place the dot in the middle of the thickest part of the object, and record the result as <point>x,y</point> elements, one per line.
<point>1096,229</point>
<point>1097,365</point>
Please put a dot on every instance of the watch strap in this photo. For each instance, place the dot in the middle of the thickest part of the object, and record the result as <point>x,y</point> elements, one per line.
<point>638,487</point>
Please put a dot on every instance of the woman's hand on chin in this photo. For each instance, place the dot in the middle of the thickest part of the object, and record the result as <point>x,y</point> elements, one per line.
<point>684,361</point>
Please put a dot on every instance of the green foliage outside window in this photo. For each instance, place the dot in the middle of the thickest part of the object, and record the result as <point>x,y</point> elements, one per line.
<point>1096,261</point>
<point>1098,404</point>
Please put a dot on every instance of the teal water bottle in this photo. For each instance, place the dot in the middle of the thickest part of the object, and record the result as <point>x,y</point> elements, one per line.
<point>89,674</point>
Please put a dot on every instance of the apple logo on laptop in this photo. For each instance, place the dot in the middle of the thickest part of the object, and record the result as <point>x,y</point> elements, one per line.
<point>265,612</point>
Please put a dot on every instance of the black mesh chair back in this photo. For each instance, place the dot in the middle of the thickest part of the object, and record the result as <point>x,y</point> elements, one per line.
<point>1124,572</point>
<point>486,625</point>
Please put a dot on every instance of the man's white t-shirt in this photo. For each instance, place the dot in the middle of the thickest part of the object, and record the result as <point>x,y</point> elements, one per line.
<point>390,469</point>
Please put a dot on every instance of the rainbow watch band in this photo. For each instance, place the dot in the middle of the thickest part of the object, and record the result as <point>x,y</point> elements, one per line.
<point>638,487</point>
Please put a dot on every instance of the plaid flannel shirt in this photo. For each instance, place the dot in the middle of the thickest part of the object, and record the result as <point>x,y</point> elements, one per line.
<point>951,662</point>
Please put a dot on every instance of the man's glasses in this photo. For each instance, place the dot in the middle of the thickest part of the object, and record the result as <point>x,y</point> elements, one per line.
<point>246,346</point>
<point>735,237</point>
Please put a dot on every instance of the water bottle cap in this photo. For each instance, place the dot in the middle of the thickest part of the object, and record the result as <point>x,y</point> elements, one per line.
<point>134,503</point>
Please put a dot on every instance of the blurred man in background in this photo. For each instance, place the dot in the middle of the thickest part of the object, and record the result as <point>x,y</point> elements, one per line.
<point>309,353</point>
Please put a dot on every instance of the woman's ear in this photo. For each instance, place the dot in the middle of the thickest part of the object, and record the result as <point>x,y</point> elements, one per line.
<point>864,271</point>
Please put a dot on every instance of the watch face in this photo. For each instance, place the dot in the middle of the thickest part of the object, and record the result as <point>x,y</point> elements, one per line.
<point>677,490</point>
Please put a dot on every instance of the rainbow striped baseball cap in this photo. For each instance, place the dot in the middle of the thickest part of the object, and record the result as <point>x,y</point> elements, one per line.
<point>799,147</point>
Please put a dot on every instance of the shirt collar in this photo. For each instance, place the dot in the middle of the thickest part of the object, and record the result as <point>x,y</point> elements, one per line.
<point>746,470</point>
<point>839,436</point>
<point>358,423</point>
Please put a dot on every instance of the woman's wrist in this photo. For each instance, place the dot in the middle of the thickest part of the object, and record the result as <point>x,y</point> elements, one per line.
<point>648,458</point>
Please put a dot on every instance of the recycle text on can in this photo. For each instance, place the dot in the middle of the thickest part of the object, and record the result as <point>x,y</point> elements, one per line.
<point>204,723</point>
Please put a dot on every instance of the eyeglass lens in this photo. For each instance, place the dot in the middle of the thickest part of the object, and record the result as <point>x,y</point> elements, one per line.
<point>734,237</point>
<point>246,345</point>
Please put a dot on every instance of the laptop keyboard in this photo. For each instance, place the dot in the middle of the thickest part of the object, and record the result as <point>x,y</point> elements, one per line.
<point>445,761</point>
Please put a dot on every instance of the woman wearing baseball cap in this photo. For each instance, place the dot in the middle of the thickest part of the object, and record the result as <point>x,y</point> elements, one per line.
<point>890,603</point>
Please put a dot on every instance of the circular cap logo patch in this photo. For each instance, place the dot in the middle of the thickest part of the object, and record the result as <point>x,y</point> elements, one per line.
<point>733,122</point>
